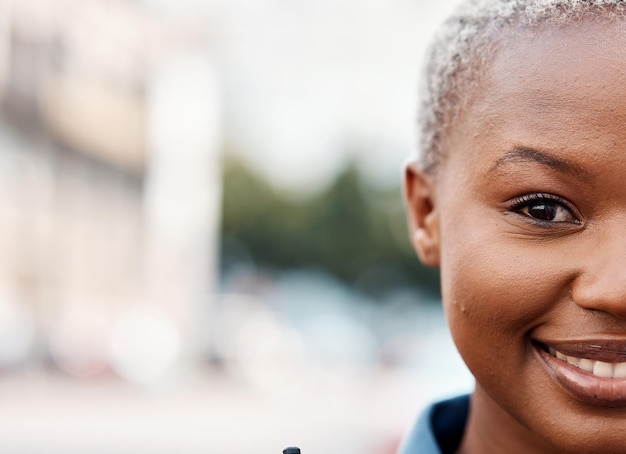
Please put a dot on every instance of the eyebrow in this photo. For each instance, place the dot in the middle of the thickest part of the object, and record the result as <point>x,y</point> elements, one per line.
<point>525,154</point>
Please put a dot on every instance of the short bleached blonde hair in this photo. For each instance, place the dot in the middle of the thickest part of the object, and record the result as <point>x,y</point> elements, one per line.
<point>463,46</point>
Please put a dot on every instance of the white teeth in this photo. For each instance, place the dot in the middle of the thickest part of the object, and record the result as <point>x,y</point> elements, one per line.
<point>597,368</point>
<point>602,369</point>
<point>587,364</point>
<point>619,370</point>
<point>573,360</point>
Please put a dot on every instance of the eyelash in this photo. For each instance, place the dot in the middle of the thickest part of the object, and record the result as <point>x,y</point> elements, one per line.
<point>533,200</point>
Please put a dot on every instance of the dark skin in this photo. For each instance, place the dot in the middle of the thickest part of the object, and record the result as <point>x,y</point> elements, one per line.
<point>526,218</point>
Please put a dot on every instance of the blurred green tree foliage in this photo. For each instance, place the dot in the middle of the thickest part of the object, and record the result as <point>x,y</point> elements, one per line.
<point>354,231</point>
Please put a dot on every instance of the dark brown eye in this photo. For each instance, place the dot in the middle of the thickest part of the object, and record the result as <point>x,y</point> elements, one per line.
<point>543,211</point>
<point>545,208</point>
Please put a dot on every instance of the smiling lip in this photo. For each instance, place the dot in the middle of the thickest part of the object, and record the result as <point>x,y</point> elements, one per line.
<point>592,372</point>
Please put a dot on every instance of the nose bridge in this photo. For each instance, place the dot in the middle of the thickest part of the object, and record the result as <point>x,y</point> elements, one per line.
<point>602,283</point>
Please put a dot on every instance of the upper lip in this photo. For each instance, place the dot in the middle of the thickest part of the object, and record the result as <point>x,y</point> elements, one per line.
<point>607,350</point>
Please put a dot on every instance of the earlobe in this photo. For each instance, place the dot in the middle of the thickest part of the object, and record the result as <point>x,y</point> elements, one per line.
<point>423,215</point>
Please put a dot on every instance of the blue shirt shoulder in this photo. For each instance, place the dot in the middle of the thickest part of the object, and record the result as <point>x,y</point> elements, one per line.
<point>439,429</point>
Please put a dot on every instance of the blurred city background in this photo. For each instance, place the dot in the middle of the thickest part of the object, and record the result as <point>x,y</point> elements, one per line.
<point>202,234</point>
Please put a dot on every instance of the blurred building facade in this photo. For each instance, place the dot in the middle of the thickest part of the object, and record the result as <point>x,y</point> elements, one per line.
<point>110,187</point>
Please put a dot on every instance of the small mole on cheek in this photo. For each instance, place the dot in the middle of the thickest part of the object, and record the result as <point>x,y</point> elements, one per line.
<point>460,306</point>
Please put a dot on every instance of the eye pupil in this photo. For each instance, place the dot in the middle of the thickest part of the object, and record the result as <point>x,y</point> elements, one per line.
<point>543,211</point>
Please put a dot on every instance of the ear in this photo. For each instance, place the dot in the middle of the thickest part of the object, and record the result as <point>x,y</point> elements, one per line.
<point>423,214</point>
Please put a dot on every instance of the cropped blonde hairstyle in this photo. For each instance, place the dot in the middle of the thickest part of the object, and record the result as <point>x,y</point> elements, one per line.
<point>463,46</point>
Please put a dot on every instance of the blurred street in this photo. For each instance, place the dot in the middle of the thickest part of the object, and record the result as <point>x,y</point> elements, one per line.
<point>53,416</point>
<point>203,245</point>
<point>51,413</point>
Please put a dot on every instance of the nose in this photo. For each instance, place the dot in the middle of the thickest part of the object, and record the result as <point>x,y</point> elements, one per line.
<point>601,285</point>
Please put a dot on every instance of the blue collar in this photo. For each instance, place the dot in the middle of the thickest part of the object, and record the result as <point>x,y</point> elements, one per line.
<point>439,429</point>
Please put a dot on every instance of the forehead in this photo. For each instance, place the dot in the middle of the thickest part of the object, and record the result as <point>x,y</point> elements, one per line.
<point>545,67</point>
<point>558,87</point>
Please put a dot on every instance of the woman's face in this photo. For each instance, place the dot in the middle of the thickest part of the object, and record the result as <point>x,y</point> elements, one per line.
<point>527,220</point>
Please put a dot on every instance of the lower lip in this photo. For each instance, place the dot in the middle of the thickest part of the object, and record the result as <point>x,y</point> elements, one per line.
<point>583,385</point>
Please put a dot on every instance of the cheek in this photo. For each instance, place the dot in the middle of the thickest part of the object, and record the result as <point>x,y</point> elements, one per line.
<point>496,289</point>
